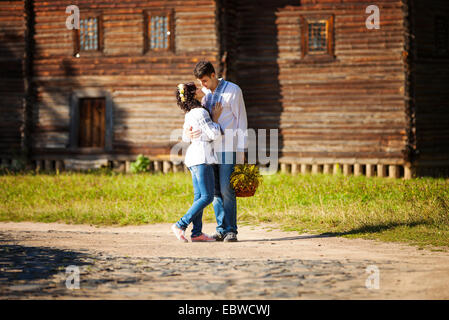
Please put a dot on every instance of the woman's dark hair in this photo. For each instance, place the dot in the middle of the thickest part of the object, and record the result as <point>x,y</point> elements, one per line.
<point>203,68</point>
<point>188,101</point>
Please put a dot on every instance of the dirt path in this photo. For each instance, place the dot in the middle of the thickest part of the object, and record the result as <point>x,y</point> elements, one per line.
<point>147,262</point>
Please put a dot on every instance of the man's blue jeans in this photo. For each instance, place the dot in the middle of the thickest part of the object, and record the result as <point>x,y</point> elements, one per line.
<point>203,190</point>
<point>225,204</point>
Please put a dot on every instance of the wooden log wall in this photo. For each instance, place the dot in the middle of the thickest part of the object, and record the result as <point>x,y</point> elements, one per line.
<point>12,91</point>
<point>142,85</point>
<point>349,110</point>
<point>227,29</point>
<point>431,87</point>
<point>354,111</point>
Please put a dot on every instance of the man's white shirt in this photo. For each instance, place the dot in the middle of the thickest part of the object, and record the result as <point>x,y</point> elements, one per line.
<point>233,120</point>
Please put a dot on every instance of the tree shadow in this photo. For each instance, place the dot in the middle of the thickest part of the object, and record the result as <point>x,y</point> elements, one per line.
<point>287,238</point>
<point>252,53</point>
<point>12,92</point>
<point>357,231</point>
<point>375,228</point>
<point>22,264</point>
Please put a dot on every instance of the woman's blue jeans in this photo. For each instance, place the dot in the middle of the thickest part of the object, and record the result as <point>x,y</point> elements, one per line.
<point>203,190</point>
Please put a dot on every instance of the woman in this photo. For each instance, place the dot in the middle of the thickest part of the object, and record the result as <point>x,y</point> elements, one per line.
<point>199,157</point>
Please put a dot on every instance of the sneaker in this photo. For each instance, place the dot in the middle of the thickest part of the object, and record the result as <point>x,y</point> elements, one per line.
<point>230,237</point>
<point>179,233</point>
<point>203,238</point>
<point>217,236</point>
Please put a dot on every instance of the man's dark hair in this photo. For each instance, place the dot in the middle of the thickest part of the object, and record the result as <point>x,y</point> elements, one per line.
<point>203,68</point>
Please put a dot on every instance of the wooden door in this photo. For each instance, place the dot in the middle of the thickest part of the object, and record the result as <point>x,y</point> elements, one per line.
<point>92,123</point>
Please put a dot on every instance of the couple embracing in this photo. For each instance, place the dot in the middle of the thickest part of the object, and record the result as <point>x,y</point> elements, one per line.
<point>213,108</point>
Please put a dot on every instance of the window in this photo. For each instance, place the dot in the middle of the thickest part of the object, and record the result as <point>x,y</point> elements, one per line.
<point>159,34</point>
<point>89,34</point>
<point>89,37</point>
<point>441,36</point>
<point>317,37</point>
<point>92,119</point>
<point>158,28</point>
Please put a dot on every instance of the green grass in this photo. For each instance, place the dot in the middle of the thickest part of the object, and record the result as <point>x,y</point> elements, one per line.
<point>412,211</point>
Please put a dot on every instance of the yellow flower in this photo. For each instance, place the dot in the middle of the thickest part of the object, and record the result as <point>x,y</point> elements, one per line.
<point>181,92</point>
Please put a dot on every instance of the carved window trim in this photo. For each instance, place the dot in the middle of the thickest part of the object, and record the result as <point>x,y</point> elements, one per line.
<point>170,25</point>
<point>78,50</point>
<point>328,53</point>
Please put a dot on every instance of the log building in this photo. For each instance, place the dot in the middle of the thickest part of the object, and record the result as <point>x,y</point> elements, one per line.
<point>372,101</point>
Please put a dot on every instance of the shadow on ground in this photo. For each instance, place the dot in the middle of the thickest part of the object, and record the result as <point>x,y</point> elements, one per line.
<point>378,228</point>
<point>21,265</point>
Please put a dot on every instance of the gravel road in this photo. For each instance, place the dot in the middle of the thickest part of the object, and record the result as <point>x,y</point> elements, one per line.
<point>147,262</point>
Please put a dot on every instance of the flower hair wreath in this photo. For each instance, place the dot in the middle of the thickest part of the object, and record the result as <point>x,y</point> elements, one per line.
<point>181,92</point>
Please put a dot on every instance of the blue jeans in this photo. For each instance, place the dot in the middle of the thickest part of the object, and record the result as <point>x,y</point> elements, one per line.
<point>203,189</point>
<point>225,204</point>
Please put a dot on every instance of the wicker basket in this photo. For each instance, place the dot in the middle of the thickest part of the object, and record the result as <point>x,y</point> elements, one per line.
<point>248,192</point>
<point>247,186</point>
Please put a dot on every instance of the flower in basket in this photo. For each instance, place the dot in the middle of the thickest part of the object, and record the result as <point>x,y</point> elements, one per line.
<point>245,179</point>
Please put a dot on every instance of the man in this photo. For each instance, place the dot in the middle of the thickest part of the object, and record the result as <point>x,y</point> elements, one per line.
<point>229,150</point>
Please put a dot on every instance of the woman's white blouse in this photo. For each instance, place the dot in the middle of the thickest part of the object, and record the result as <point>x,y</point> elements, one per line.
<point>201,149</point>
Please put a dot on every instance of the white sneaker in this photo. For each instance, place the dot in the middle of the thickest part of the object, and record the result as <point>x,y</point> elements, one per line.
<point>230,237</point>
<point>179,233</point>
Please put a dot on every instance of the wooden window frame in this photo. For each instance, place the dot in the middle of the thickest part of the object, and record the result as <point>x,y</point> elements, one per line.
<point>76,36</point>
<point>325,56</point>
<point>169,13</point>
